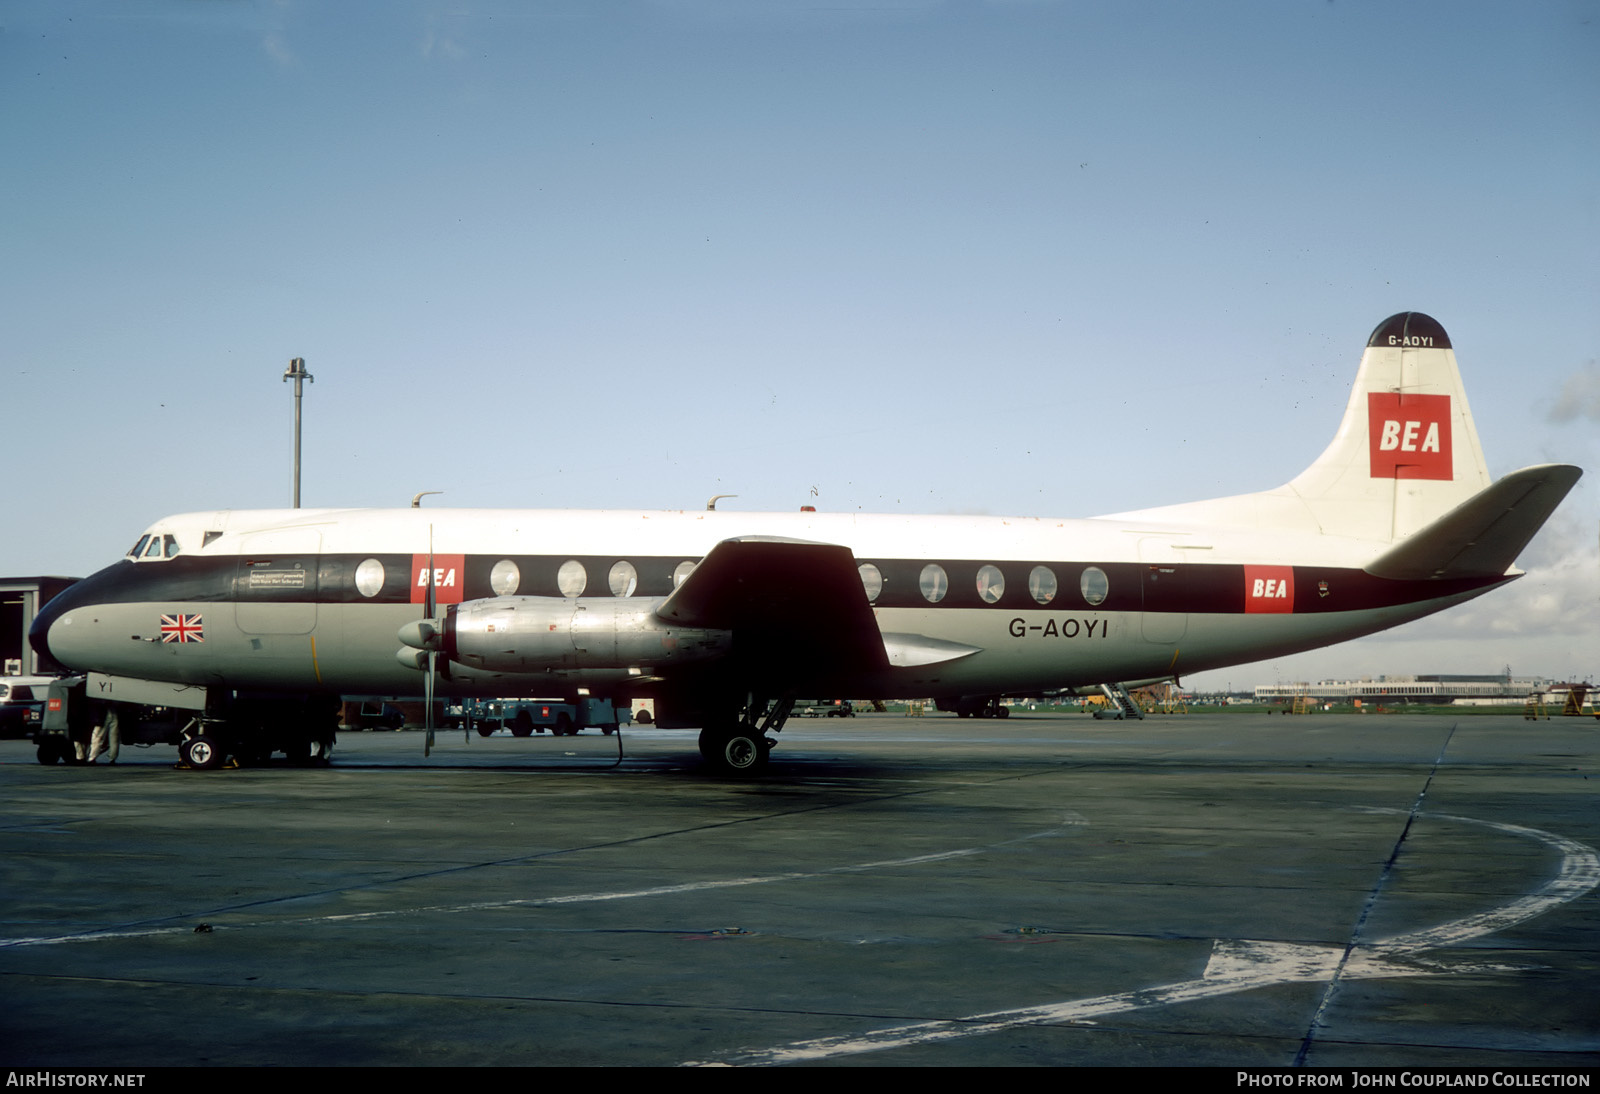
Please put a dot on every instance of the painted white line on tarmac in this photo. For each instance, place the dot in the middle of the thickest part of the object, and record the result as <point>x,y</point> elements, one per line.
<point>1235,965</point>
<point>1071,820</point>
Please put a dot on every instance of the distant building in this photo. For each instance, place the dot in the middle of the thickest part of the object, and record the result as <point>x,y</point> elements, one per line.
<point>20,600</point>
<point>1437,688</point>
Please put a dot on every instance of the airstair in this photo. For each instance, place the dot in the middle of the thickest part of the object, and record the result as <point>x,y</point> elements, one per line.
<point>1119,704</point>
<point>1577,703</point>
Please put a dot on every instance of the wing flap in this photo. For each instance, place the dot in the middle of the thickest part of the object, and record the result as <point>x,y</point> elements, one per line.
<point>1483,535</point>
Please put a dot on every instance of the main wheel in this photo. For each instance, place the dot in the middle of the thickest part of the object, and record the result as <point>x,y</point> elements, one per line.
<point>201,753</point>
<point>741,751</point>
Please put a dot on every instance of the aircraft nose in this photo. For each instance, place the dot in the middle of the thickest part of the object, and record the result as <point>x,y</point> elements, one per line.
<point>97,588</point>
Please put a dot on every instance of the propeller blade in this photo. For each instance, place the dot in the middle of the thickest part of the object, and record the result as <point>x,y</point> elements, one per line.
<point>428,608</point>
<point>427,693</point>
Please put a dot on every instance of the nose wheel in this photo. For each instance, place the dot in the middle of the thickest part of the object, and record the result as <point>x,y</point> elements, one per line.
<point>202,753</point>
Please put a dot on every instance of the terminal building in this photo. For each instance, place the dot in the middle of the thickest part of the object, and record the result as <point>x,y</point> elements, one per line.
<point>1438,688</point>
<point>20,600</point>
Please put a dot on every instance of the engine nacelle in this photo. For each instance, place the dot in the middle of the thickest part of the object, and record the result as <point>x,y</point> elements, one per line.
<point>537,633</point>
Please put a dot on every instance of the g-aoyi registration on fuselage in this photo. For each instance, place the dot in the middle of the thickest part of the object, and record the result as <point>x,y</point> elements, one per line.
<point>724,616</point>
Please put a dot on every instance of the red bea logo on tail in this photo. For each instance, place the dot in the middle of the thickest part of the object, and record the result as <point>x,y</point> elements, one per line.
<point>1409,436</point>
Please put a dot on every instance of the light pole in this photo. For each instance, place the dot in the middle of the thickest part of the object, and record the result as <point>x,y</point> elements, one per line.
<point>297,372</point>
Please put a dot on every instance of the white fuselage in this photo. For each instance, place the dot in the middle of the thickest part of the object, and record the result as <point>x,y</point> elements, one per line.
<point>312,600</point>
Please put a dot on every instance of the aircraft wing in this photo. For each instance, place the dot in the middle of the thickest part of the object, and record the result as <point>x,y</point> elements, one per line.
<point>783,598</point>
<point>1483,535</point>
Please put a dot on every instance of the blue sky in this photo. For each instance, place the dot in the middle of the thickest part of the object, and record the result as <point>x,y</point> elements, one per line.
<point>1013,258</point>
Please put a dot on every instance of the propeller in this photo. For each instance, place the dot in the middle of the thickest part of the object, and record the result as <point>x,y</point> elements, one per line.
<point>428,606</point>
<point>423,638</point>
<point>424,641</point>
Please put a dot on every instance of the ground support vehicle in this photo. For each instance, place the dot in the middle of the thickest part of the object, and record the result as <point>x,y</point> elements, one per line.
<point>975,706</point>
<point>823,708</point>
<point>209,728</point>
<point>22,705</point>
<point>70,717</point>
<point>525,717</point>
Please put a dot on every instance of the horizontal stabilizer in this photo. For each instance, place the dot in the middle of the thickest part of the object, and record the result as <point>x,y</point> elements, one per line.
<point>911,651</point>
<point>1483,535</point>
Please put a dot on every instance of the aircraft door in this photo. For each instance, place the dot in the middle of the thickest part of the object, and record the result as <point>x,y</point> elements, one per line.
<point>275,586</point>
<point>1163,578</point>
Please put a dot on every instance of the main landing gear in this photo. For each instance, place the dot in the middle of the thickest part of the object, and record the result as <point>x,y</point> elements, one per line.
<point>738,744</point>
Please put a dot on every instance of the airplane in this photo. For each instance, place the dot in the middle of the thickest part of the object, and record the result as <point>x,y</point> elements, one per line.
<point>724,617</point>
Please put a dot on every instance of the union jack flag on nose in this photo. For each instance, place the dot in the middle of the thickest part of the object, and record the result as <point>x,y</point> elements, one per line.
<point>182,628</point>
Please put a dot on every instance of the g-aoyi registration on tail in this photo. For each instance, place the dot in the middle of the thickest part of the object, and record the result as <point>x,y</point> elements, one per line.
<point>1405,469</point>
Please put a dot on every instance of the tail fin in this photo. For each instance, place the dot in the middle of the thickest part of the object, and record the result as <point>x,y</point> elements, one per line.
<point>1406,452</point>
<point>1404,463</point>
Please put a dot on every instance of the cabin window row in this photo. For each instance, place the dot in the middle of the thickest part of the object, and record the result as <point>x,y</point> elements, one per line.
<point>622,579</point>
<point>934,583</point>
<point>572,577</point>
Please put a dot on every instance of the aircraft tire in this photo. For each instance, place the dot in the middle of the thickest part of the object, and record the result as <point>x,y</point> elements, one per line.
<point>52,750</point>
<point>740,752</point>
<point>202,753</point>
<point>1002,712</point>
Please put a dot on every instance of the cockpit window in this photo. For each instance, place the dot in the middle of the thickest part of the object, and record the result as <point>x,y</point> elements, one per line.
<point>153,546</point>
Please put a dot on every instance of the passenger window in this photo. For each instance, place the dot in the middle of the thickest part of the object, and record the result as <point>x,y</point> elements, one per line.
<point>871,580</point>
<point>934,583</point>
<point>572,578</point>
<point>505,577</point>
<point>623,578</point>
<point>1094,586</point>
<point>1042,584</point>
<point>991,584</point>
<point>369,577</point>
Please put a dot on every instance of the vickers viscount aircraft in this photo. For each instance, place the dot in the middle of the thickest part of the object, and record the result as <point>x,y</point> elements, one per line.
<point>724,617</point>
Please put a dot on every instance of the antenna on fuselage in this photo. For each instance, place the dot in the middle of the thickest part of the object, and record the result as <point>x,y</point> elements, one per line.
<point>712,504</point>
<point>416,499</point>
